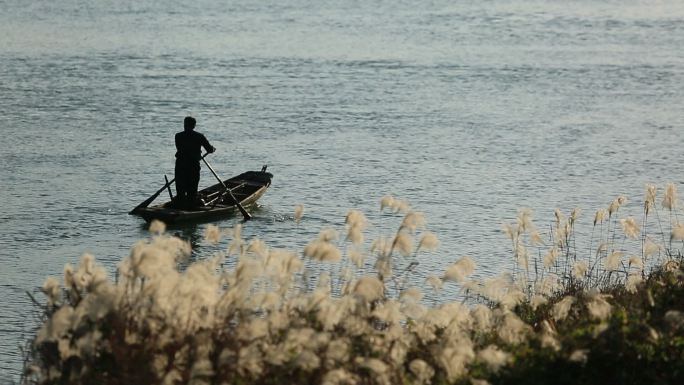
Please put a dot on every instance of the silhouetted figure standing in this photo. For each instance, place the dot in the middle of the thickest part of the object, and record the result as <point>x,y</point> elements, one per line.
<point>189,145</point>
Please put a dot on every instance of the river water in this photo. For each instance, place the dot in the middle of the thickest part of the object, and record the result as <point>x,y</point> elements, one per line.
<point>467,109</point>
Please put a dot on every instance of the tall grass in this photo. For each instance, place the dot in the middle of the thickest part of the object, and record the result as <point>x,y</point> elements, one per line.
<point>588,312</point>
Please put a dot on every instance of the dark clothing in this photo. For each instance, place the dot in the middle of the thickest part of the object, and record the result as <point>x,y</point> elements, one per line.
<point>189,146</point>
<point>187,180</point>
<point>188,155</point>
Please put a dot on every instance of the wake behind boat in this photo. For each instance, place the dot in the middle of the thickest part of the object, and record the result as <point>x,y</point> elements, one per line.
<point>217,201</point>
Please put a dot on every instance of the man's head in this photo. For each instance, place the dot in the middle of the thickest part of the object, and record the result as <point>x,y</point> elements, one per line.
<point>189,123</point>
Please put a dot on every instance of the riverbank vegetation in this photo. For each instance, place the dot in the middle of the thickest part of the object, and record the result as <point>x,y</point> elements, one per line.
<point>609,309</point>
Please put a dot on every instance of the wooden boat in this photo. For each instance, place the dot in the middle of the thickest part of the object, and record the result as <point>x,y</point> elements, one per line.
<point>216,200</point>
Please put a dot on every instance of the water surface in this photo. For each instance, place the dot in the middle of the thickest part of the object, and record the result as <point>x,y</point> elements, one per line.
<point>467,109</point>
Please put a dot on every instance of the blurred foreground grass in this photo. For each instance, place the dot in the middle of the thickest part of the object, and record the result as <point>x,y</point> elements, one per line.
<point>611,314</point>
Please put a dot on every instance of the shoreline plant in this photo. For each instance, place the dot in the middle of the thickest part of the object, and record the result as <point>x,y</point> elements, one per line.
<point>566,314</point>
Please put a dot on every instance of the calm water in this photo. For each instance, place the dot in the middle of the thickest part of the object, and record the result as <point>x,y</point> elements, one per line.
<point>468,109</point>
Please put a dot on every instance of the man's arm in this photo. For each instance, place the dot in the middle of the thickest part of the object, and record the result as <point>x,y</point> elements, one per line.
<point>207,146</point>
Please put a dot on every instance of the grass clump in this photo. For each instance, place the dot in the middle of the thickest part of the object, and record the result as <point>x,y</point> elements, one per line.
<point>561,316</point>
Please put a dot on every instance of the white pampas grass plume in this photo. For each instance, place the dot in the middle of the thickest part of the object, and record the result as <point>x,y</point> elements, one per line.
<point>381,247</point>
<point>560,234</point>
<point>383,265</point>
<point>236,243</point>
<point>521,256</point>
<point>477,381</point>
<point>331,311</point>
<point>632,283</point>
<point>653,335</point>
<point>338,377</point>
<point>435,282</point>
<point>412,221</point>
<point>471,286</point>
<point>324,281</point>
<point>355,235</point>
<point>395,205</point>
<point>579,269</point>
<point>307,361</point>
<point>579,355</point>
<point>423,329</point>
<point>548,337</point>
<point>212,234</point>
<point>428,241</point>
<point>536,239</point>
<point>157,227</point>
<point>386,201</point>
<point>322,251</point>
<point>493,358</point>
<point>600,216</point>
<point>561,309</point>
<point>650,198</point>
<point>597,306</point>
<point>670,265</point>
<point>236,231</point>
<point>55,327</point>
<point>51,289</point>
<point>422,370</point>
<point>411,294</point>
<point>337,351</point>
<point>560,218</point>
<point>144,261</point>
<point>403,243</point>
<point>512,329</point>
<point>574,214</point>
<point>355,222</point>
<point>172,377</point>
<point>356,256</point>
<point>511,230</point>
<point>460,270</point>
<point>513,297</point>
<point>250,360</point>
<point>495,288</point>
<point>482,316</point>
<point>454,359</point>
<point>674,318</point>
<point>328,235</point>
<point>613,261</point>
<point>630,227</point>
<point>636,262</point>
<point>677,232</point>
<point>378,369</point>
<point>601,248</point>
<point>548,285</point>
<point>414,310</point>
<point>298,213</point>
<point>537,300</point>
<point>257,247</point>
<point>369,289</point>
<point>615,205</point>
<point>550,257</point>
<point>68,276</point>
<point>356,218</point>
<point>389,312</point>
<point>525,220</point>
<point>670,197</point>
<point>651,248</point>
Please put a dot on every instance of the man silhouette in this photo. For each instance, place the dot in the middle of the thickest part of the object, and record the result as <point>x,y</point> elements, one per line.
<point>189,145</point>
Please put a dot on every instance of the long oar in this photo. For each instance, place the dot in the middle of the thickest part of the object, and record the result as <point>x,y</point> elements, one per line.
<point>244,212</point>
<point>218,198</point>
<point>154,196</point>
